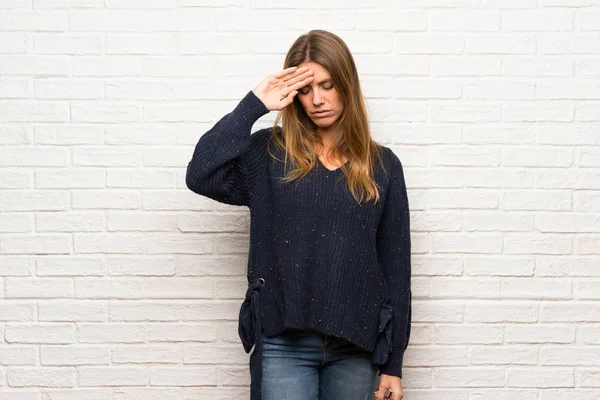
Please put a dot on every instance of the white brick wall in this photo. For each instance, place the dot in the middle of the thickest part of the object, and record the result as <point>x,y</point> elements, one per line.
<point>119,283</point>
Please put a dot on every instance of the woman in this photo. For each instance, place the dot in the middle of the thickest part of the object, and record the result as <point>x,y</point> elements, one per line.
<point>328,304</point>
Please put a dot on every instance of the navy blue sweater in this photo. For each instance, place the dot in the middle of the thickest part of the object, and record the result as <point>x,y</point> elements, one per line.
<point>317,259</point>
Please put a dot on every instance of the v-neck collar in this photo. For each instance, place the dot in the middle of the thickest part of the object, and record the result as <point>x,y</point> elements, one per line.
<point>331,170</point>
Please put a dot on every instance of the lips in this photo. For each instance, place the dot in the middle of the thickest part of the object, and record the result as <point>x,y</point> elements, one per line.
<point>322,113</point>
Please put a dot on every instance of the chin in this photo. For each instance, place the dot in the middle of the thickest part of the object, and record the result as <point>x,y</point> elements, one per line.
<point>324,126</point>
<point>324,122</point>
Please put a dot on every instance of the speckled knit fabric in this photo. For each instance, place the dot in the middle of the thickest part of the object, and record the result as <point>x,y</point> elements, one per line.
<point>317,259</point>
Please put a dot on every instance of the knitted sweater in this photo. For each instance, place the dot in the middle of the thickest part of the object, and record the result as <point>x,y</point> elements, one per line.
<point>317,259</point>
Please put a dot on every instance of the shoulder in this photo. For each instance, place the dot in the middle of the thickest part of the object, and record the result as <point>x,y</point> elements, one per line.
<point>390,160</point>
<point>259,140</point>
<point>260,137</point>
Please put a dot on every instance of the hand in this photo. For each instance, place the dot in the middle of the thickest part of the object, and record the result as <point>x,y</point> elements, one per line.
<point>393,383</point>
<point>278,90</point>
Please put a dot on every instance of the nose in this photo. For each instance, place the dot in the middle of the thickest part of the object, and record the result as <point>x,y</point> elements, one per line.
<point>317,98</point>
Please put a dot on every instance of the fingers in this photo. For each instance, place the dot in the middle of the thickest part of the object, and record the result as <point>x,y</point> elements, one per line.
<point>288,99</point>
<point>291,74</point>
<point>301,75</point>
<point>291,70</point>
<point>292,78</point>
<point>285,72</point>
<point>382,394</point>
<point>387,394</point>
<point>299,82</point>
<point>390,387</point>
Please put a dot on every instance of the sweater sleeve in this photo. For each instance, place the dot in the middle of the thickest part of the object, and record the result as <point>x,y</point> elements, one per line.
<point>217,169</point>
<point>394,254</point>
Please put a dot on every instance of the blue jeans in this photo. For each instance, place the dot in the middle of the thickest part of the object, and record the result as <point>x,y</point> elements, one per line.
<point>309,365</point>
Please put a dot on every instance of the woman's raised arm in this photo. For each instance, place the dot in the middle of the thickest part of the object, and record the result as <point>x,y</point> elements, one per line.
<point>217,169</point>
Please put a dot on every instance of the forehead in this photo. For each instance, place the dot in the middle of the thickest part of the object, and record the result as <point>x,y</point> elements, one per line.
<point>318,69</point>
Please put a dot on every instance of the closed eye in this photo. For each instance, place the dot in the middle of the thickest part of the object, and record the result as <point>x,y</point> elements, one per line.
<point>329,87</point>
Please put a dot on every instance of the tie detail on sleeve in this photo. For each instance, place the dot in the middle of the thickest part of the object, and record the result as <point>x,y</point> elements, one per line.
<point>249,330</point>
<point>383,345</point>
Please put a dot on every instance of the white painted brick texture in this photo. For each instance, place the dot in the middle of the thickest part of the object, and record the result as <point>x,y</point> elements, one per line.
<point>118,283</point>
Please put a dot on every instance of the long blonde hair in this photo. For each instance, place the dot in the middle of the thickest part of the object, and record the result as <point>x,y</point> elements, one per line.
<point>354,140</point>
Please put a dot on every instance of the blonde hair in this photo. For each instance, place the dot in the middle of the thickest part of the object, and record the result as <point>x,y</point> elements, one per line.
<point>297,135</point>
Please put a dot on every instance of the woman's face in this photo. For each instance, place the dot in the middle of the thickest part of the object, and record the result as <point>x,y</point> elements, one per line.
<point>320,95</point>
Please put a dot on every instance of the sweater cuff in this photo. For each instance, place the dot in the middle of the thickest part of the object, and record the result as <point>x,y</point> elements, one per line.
<point>393,366</point>
<point>251,108</point>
